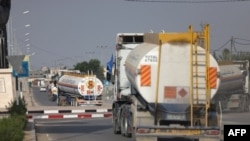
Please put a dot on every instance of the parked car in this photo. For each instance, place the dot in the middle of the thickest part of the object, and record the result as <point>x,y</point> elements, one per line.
<point>43,89</point>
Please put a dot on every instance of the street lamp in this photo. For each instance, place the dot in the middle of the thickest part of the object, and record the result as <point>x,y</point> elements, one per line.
<point>12,32</point>
<point>15,45</point>
<point>27,25</point>
<point>26,12</point>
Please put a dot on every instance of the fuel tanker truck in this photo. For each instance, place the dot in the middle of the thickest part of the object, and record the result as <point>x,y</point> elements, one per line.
<point>78,89</point>
<point>163,86</point>
<point>233,93</point>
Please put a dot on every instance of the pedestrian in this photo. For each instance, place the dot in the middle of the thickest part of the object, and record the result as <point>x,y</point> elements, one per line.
<point>49,88</point>
<point>54,91</point>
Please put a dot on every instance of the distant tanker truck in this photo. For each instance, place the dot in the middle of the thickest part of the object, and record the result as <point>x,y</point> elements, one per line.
<point>79,89</point>
<point>164,84</point>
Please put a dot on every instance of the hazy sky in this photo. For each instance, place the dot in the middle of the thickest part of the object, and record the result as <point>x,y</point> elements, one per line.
<point>67,31</point>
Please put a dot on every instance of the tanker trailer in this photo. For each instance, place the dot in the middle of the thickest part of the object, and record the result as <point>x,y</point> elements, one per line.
<point>78,89</point>
<point>170,80</point>
<point>233,92</point>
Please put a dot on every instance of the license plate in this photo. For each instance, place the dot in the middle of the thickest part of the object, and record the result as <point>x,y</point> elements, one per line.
<point>175,117</point>
<point>179,132</point>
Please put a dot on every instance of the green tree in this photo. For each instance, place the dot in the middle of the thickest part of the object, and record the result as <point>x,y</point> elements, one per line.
<point>93,66</point>
<point>225,56</point>
<point>241,56</point>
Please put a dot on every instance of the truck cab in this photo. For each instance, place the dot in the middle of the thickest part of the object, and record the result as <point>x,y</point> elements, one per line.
<point>125,42</point>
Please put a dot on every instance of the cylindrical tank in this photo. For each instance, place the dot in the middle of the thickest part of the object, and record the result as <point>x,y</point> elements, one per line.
<point>80,85</point>
<point>232,79</point>
<point>141,67</point>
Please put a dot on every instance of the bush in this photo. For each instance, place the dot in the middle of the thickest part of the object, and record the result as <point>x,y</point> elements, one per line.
<point>18,108</point>
<point>11,128</point>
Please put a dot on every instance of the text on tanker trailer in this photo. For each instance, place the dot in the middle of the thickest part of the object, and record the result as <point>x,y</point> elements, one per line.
<point>80,89</point>
<point>163,86</point>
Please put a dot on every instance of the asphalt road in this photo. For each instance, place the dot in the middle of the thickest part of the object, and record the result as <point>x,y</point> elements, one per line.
<point>77,130</point>
<point>92,129</point>
<point>42,98</point>
<point>100,128</point>
<point>95,129</point>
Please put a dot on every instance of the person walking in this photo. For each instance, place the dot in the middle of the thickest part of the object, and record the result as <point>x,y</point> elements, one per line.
<point>49,89</point>
<point>54,91</point>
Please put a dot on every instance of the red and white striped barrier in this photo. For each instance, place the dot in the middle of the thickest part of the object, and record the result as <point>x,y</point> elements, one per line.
<point>65,116</point>
<point>68,111</point>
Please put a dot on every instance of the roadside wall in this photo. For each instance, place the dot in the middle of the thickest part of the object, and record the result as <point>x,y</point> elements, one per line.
<point>6,87</point>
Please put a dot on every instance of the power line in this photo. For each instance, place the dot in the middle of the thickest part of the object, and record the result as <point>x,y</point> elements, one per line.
<point>187,1</point>
<point>241,43</point>
<point>223,45</point>
<point>235,41</point>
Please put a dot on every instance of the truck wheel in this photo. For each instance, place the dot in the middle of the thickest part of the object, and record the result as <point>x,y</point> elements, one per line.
<point>129,125</point>
<point>124,126</point>
<point>116,128</point>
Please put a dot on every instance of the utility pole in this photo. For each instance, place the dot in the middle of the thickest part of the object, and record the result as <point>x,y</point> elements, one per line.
<point>231,48</point>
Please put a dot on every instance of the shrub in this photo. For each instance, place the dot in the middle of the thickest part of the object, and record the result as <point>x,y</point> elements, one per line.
<point>18,108</point>
<point>11,128</point>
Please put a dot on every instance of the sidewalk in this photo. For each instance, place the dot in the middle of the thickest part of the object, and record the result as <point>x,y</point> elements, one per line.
<point>29,131</point>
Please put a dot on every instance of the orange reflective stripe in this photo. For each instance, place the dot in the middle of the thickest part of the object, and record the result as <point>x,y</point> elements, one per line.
<point>212,77</point>
<point>145,75</point>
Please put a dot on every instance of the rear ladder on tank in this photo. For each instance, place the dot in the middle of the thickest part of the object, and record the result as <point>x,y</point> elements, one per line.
<point>199,87</point>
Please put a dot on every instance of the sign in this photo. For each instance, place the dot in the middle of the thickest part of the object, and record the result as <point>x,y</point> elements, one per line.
<point>16,62</point>
<point>25,70</point>
<point>20,64</point>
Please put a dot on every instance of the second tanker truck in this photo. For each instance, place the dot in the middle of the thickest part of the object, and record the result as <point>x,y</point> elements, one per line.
<point>79,89</point>
<point>233,93</point>
<point>164,84</point>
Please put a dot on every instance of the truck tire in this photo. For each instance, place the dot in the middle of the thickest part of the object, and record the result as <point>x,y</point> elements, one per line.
<point>116,128</point>
<point>124,126</point>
